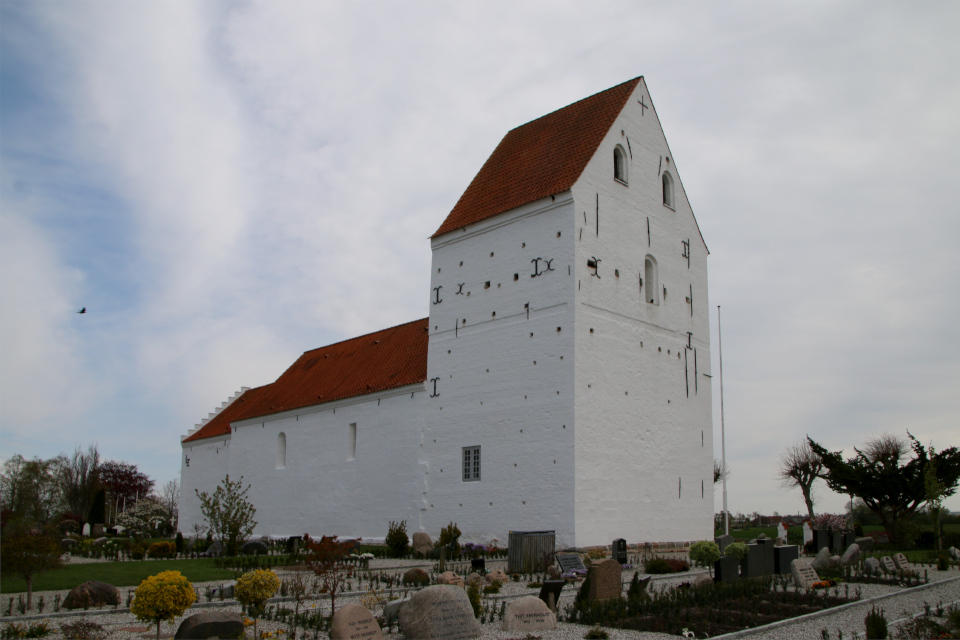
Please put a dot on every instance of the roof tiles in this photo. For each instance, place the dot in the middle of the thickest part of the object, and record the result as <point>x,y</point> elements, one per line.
<point>386,359</point>
<point>541,158</point>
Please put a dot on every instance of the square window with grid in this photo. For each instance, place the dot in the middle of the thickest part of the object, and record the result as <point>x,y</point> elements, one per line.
<point>471,464</point>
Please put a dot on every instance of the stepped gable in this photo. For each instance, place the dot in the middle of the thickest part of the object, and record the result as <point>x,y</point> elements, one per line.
<point>219,425</point>
<point>374,362</point>
<point>539,159</point>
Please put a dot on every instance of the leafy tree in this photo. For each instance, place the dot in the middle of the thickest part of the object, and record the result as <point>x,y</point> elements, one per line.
<point>328,559</point>
<point>229,514</point>
<point>800,467</point>
<point>254,589</point>
<point>892,490</point>
<point>162,597</point>
<point>30,489</point>
<point>79,477</point>
<point>27,551</point>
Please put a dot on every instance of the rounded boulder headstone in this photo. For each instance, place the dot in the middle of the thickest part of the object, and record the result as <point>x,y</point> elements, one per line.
<point>822,560</point>
<point>497,575</point>
<point>99,542</point>
<point>211,624</point>
<point>449,577</point>
<point>422,543</point>
<point>416,577</point>
<point>68,543</point>
<point>440,612</point>
<point>851,555</point>
<point>528,613</point>
<point>354,622</point>
<point>472,578</point>
<point>92,594</point>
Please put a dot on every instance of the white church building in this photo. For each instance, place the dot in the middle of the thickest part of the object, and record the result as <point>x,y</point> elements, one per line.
<point>562,380</point>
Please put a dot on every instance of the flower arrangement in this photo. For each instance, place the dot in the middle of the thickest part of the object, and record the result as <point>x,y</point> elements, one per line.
<point>823,584</point>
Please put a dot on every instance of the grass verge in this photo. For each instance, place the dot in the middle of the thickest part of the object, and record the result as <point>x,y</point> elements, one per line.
<point>119,574</point>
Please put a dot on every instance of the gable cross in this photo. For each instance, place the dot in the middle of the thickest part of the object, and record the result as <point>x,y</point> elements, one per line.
<point>643,107</point>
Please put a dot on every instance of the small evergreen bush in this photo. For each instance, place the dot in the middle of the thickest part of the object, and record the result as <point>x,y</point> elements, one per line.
<point>704,553</point>
<point>597,632</point>
<point>162,550</point>
<point>736,549</point>
<point>397,540</point>
<point>449,537</point>
<point>876,624</point>
<point>473,592</point>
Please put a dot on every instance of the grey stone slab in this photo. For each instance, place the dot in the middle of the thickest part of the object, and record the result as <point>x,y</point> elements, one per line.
<point>821,539</point>
<point>755,564</point>
<point>570,562</point>
<point>723,541</point>
<point>783,556</point>
<point>528,613</point>
<point>888,565</point>
<point>726,569</point>
<point>619,550</point>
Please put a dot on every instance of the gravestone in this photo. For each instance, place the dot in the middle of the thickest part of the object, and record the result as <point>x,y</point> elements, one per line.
<point>726,569</point>
<point>392,609</point>
<point>440,612</point>
<point>68,543</point>
<point>821,539</point>
<point>497,575</point>
<point>422,543</point>
<point>955,553</point>
<point>254,548</point>
<point>472,578</point>
<point>851,555</point>
<point>902,563</point>
<point>92,594</point>
<point>783,556</point>
<point>416,577</point>
<point>553,573</point>
<point>293,544</point>
<point>605,580</point>
<point>872,566</point>
<point>528,613</point>
<point>836,541</point>
<point>570,562</point>
<point>723,541</point>
<point>478,564</point>
<point>888,565</point>
<point>449,577</point>
<point>767,544</point>
<point>782,533</point>
<point>551,591</point>
<point>822,560</point>
<point>99,542</point>
<point>849,538</point>
<point>97,530</point>
<point>807,533</point>
<point>865,543</point>
<point>354,622</point>
<point>619,550</point>
<point>85,532</point>
<point>226,590</point>
<point>754,564</point>
<point>211,624</point>
<point>804,575</point>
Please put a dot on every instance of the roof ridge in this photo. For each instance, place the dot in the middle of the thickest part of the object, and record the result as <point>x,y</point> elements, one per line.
<point>593,95</point>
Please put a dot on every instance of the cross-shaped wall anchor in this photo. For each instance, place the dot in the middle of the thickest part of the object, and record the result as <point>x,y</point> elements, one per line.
<point>438,299</point>
<point>460,290</point>
<point>434,381</point>
<point>643,107</point>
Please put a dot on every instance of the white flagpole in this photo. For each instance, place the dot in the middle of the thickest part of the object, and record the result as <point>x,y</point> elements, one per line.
<point>723,437</point>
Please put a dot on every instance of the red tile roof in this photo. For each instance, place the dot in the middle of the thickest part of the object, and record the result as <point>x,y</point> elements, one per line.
<point>387,359</point>
<point>541,158</point>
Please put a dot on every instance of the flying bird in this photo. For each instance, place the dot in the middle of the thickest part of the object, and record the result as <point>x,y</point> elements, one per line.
<point>84,310</point>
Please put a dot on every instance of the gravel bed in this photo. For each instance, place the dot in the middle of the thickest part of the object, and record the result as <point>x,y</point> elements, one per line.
<point>944,587</point>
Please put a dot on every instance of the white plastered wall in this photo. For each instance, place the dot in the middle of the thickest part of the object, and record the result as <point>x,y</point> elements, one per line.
<point>504,381</point>
<point>644,446</point>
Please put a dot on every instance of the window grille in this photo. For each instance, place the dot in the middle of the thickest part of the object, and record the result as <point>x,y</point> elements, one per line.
<point>471,464</point>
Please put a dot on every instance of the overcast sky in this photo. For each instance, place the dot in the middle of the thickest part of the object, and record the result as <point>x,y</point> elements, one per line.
<point>224,185</point>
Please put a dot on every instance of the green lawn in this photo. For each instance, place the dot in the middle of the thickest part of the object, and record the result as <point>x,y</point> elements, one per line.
<point>120,574</point>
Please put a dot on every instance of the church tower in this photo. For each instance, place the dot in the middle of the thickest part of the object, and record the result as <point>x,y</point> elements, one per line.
<point>568,368</point>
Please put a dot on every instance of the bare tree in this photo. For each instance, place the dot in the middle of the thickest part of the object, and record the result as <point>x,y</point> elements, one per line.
<point>799,467</point>
<point>886,448</point>
<point>80,477</point>
<point>719,471</point>
<point>170,499</point>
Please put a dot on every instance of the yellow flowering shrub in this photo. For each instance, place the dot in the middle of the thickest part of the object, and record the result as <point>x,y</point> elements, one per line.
<point>164,596</point>
<point>254,589</point>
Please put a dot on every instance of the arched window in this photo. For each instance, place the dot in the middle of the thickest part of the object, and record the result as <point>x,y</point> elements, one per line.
<point>282,451</point>
<point>667,190</point>
<point>651,281</point>
<point>619,165</point>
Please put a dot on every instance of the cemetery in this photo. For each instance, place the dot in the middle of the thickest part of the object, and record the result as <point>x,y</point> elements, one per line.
<point>328,588</point>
